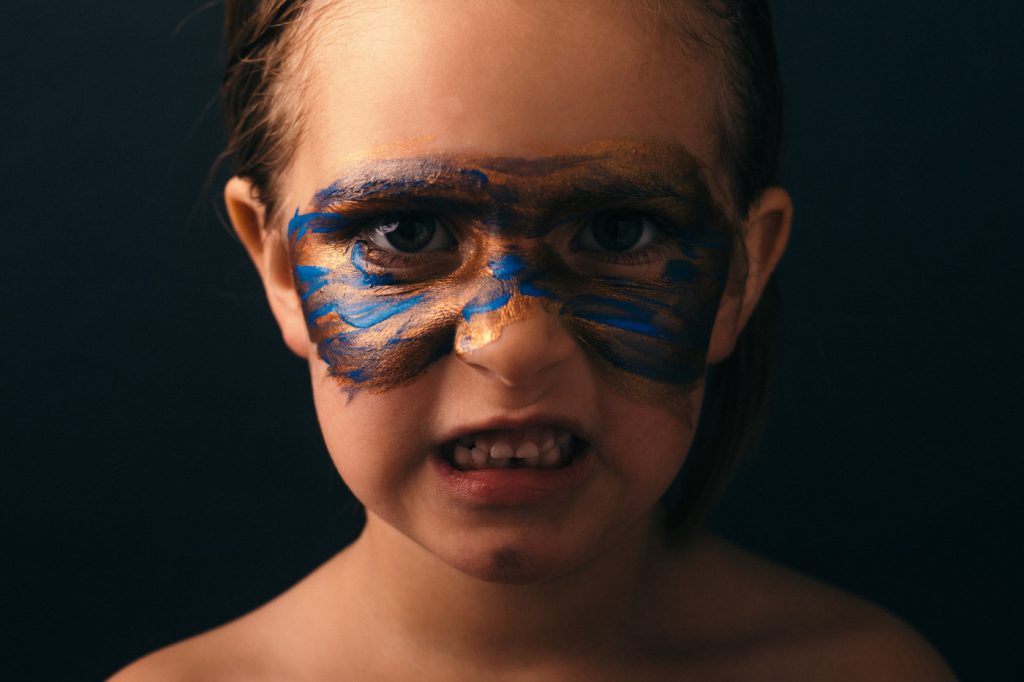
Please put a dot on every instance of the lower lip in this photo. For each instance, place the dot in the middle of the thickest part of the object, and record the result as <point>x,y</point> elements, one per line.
<point>513,487</point>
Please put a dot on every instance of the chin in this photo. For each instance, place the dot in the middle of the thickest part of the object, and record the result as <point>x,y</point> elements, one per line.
<point>520,556</point>
<point>510,565</point>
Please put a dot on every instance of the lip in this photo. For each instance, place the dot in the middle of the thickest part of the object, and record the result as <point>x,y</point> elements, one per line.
<point>506,423</point>
<point>514,487</point>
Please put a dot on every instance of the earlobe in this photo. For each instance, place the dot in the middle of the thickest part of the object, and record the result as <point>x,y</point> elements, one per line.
<point>270,256</point>
<point>764,235</point>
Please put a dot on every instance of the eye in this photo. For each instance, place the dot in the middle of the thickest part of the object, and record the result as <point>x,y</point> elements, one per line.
<point>409,233</point>
<point>617,232</point>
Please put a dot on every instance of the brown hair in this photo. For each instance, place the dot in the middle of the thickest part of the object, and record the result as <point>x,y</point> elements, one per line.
<point>259,130</point>
<point>749,128</point>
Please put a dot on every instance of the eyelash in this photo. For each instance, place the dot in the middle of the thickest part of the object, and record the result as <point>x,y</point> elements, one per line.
<point>392,259</point>
<point>659,248</point>
<point>646,255</point>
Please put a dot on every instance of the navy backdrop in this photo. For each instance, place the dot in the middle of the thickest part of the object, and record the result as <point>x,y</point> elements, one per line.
<point>162,469</point>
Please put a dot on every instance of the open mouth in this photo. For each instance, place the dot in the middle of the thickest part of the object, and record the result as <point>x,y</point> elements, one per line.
<point>534,448</point>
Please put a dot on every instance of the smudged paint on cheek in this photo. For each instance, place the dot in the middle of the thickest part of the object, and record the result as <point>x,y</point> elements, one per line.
<point>374,332</point>
<point>656,331</point>
<point>371,330</point>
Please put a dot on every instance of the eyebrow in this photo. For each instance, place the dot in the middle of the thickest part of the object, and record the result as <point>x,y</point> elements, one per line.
<point>562,184</point>
<point>396,178</point>
<point>605,186</point>
<point>663,176</point>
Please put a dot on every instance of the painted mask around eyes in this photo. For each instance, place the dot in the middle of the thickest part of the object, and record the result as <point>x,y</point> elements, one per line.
<point>378,326</point>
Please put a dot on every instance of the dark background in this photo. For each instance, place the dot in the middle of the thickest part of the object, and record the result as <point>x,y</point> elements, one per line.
<point>162,469</point>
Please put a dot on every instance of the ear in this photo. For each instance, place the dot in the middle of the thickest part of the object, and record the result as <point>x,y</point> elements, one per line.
<point>764,234</point>
<point>270,256</point>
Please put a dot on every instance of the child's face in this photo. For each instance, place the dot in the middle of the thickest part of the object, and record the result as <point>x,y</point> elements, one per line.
<point>508,217</point>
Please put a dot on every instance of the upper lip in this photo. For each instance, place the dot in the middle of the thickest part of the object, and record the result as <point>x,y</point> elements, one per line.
<point>518,423</point>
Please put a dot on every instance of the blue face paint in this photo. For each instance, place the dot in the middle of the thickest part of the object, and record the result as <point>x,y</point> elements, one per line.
<point>378,324</point>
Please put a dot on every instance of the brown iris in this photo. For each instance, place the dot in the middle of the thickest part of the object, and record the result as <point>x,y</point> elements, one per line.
<point>409,233</point>
<point>618,231</point>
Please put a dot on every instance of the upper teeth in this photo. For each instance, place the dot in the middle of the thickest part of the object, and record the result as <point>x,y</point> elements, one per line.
<point>544,447</point>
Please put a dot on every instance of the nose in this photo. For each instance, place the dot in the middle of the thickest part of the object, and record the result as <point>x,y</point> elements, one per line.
<point>524,348</point>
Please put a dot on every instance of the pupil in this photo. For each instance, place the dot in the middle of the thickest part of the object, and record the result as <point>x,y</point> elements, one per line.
<point>619,232</point>
<point>411,234</point>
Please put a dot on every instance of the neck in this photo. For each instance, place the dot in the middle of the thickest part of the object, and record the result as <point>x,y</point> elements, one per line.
<point>412,593</point>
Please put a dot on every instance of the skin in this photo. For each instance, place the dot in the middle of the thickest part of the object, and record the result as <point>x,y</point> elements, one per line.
<point>573,587</point>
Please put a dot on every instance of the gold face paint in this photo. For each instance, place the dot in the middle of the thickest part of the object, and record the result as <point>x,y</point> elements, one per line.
<point>518,231</point>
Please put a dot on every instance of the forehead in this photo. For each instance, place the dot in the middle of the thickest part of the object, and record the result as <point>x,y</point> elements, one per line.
<point>500,78</point>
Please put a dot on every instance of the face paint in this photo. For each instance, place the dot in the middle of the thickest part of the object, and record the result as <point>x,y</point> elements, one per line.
<point>380,318</point>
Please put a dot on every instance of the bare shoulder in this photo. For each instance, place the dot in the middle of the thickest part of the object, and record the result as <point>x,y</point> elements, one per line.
<point>229,652</point>
<point>195,658</point>
<point>886,649</point>
<point>265,644</point>
<point>760,620</point>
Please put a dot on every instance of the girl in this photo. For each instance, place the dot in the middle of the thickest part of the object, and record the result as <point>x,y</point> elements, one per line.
<point>524,246</point>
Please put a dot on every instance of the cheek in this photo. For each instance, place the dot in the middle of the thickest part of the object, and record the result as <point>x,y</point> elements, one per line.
<point>372,332</point>
<point>375,332</point>
<point>376,440</point>
<point>656,331</point>
<point>646,446</point>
